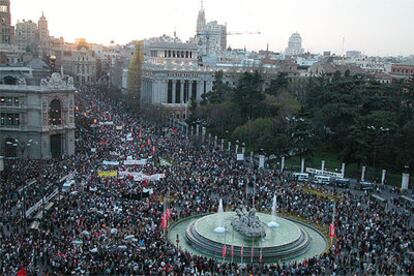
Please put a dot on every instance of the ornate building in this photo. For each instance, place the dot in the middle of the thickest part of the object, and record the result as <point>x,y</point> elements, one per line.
<point>37,121</point>
<point>6,29</point>
<point>171,75</point>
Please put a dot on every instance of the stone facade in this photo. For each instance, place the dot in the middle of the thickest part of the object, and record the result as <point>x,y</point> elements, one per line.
<point>38,121</point>
<point>171,75</point>
<point>6,29</point>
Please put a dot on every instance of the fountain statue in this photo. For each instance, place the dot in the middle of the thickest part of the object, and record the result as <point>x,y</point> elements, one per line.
<point>248,224</point>
<point>220,219</point>
<point>273,223</point>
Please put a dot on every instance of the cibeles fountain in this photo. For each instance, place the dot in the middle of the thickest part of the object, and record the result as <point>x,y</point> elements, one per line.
<point>249,236</point>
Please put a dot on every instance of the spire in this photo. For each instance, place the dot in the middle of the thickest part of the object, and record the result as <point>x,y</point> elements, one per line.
<point>201,19</point>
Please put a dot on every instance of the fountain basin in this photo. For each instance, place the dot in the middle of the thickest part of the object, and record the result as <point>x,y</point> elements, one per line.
<point>291,241</point>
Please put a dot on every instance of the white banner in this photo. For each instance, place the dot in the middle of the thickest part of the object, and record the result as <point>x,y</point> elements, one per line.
<point>110,163</point>
<point>129,137</point>
<point>118,127</point>
<point>325,173</point>
<point>240,157</point>
<point>106,123</point>
<point>131,162</point>
<point>139,176</point>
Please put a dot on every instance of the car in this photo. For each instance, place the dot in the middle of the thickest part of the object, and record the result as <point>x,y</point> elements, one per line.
<point>341,182</point>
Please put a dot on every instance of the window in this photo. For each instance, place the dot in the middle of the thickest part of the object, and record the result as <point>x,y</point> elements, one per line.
<point>4,8</point>
<point>2,100</point>
<point>55,112</point>
<point>9,119</point>
<point>16,101</point>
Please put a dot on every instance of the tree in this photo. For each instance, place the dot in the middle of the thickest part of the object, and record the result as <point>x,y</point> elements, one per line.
<point>249,94</point>
<point>220,89</point>
<point>280,83</point>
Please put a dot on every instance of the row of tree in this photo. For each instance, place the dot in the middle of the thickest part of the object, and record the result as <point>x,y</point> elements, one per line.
<point>360,120</point>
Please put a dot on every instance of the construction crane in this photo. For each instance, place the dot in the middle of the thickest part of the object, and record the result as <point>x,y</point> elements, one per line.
<point>244,33</point>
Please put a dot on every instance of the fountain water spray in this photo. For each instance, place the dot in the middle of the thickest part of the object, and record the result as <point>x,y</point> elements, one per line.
<point>273,223</point>
<point>220,221</point>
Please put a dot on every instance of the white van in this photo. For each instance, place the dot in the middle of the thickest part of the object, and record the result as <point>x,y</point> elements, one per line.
<point>321,179</point>
<point>301,177</point>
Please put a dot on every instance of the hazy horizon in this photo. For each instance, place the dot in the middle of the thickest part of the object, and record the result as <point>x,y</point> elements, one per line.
<point>375,27</point>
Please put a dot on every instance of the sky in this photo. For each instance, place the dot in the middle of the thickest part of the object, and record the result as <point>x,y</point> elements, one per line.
<point>375,27</point>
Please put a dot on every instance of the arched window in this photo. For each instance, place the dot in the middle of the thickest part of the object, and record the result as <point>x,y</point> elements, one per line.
<point>10,147</point>
<point>55,113</point>
<point>10,80</point>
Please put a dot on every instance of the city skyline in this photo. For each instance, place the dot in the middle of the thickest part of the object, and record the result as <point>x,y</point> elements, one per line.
<point>375,27</point>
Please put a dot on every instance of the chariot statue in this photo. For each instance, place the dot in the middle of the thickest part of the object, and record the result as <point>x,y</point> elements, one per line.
<point>248,224</point>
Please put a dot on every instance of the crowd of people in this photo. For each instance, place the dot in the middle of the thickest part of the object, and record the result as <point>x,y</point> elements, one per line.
<point>109,226</point>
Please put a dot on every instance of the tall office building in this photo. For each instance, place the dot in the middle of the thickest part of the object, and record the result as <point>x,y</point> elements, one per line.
<point>43,29</point>
<point>294,45</point>
<point>26,34</point>
<point>6,29</point>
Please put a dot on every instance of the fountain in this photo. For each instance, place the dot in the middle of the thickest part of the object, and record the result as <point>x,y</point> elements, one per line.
<point>249,234</point>
<point>273,223</point>
<point>220,219</point>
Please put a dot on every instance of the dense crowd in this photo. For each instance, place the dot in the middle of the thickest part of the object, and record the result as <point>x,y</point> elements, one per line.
<point>109,226</point>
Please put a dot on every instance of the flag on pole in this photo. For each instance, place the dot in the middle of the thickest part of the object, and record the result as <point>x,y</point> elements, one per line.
<point>164,221</point>
<point>332,231</point>
<point>261,255</point>
<point>232,251</point>
<point>241,253</point>
<point>224,251</point>
<point>168,213</point>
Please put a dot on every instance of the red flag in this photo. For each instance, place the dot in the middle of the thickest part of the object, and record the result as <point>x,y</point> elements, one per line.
<point>232,251</point>
<point>22,272</point>
<point>153,149</point>
<point>332,231</point>
<point>224,251</point>
<point>164,222</point>
<point>145,183</point>
<point>168,213</point>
